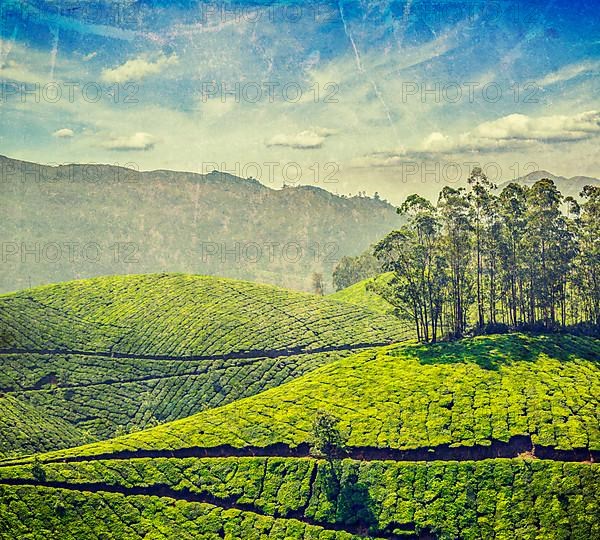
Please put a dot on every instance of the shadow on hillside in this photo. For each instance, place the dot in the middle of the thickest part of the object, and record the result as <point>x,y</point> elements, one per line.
<point>490,352</point>
<point>349,500</point>
<point>350,507</point>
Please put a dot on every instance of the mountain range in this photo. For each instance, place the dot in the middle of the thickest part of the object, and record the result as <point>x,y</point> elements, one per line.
<point>567,186</point>
<point>78,221</point>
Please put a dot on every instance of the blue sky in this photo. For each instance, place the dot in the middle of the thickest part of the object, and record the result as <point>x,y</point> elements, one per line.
<point>354,96</point>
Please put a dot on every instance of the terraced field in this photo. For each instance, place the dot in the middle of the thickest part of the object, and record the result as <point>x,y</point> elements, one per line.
<point>111,355</point>
<point>491,437</point>
<point>408,397</point>
<point>296,498</point>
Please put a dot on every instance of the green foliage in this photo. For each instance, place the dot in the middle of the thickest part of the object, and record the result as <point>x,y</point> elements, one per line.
<point>351,270</point>
<point>413,396</point>
<point>511,498</point>
<point>326,438</point>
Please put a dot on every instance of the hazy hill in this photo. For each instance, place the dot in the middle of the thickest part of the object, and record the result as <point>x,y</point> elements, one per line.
<point>76,221</point>
<point>567,186</point>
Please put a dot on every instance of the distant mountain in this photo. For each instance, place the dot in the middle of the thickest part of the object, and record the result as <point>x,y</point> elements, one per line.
<point>76,221</point>
<point>567,186</point>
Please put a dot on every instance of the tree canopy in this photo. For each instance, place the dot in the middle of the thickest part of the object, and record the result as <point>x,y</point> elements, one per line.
<point>485,261</point>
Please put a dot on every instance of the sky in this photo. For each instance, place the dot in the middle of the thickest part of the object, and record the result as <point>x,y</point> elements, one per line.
<point>351,96</point>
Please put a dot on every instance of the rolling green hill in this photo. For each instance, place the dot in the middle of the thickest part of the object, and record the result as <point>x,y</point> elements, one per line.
<point>358,294</point>
<point>476,392</point>
<point>111,355</point>
<point>179,315</point>
<point>482,438</point>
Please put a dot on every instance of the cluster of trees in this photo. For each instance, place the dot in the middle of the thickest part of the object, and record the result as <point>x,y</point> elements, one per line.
<point>480,260</point>
<point>351,270</point>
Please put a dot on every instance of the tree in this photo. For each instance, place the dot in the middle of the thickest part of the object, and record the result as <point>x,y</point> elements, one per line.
<point>480,198</point>
<point>318,284</point>
<point>327,439</point>
<point>413,254</point>
<point>351,270</point>
<point>455,215</point>
<point>38,471</point>
<point>549,252</point>
<point>512,204</point>
<point>587,273</point>
<point>526,259</point>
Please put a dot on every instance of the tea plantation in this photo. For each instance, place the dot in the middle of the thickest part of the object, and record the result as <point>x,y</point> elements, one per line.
<point>462,394</point>
<point>487,437</point>
<point>108,356</point>
<point>503,498</point>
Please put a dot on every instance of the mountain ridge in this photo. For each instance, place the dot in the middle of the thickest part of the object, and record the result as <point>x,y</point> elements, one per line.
<point>568,186</point>
<point>158,221</point>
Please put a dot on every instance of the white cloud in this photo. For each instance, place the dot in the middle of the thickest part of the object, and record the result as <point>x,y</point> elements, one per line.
<point>138,141</point>
<point>569,72</point>
<point>138,68</point>
<point>64,133</point>
<point>307,139</point>
<point>437,141</point>
<point>557,128</point>
<point>517,131</point>
<point>508,133</point>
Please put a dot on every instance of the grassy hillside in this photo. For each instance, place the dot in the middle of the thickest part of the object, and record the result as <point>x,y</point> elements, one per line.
<point>30,429</point>
<point>359,295</point>
<point>504,498</point>
<point>472,392</point>
<point>111,355</point>
<point>155,221</point>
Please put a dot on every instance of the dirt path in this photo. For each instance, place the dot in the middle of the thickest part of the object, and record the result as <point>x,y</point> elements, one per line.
<point>239,355</point>
<point>514,447</point>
